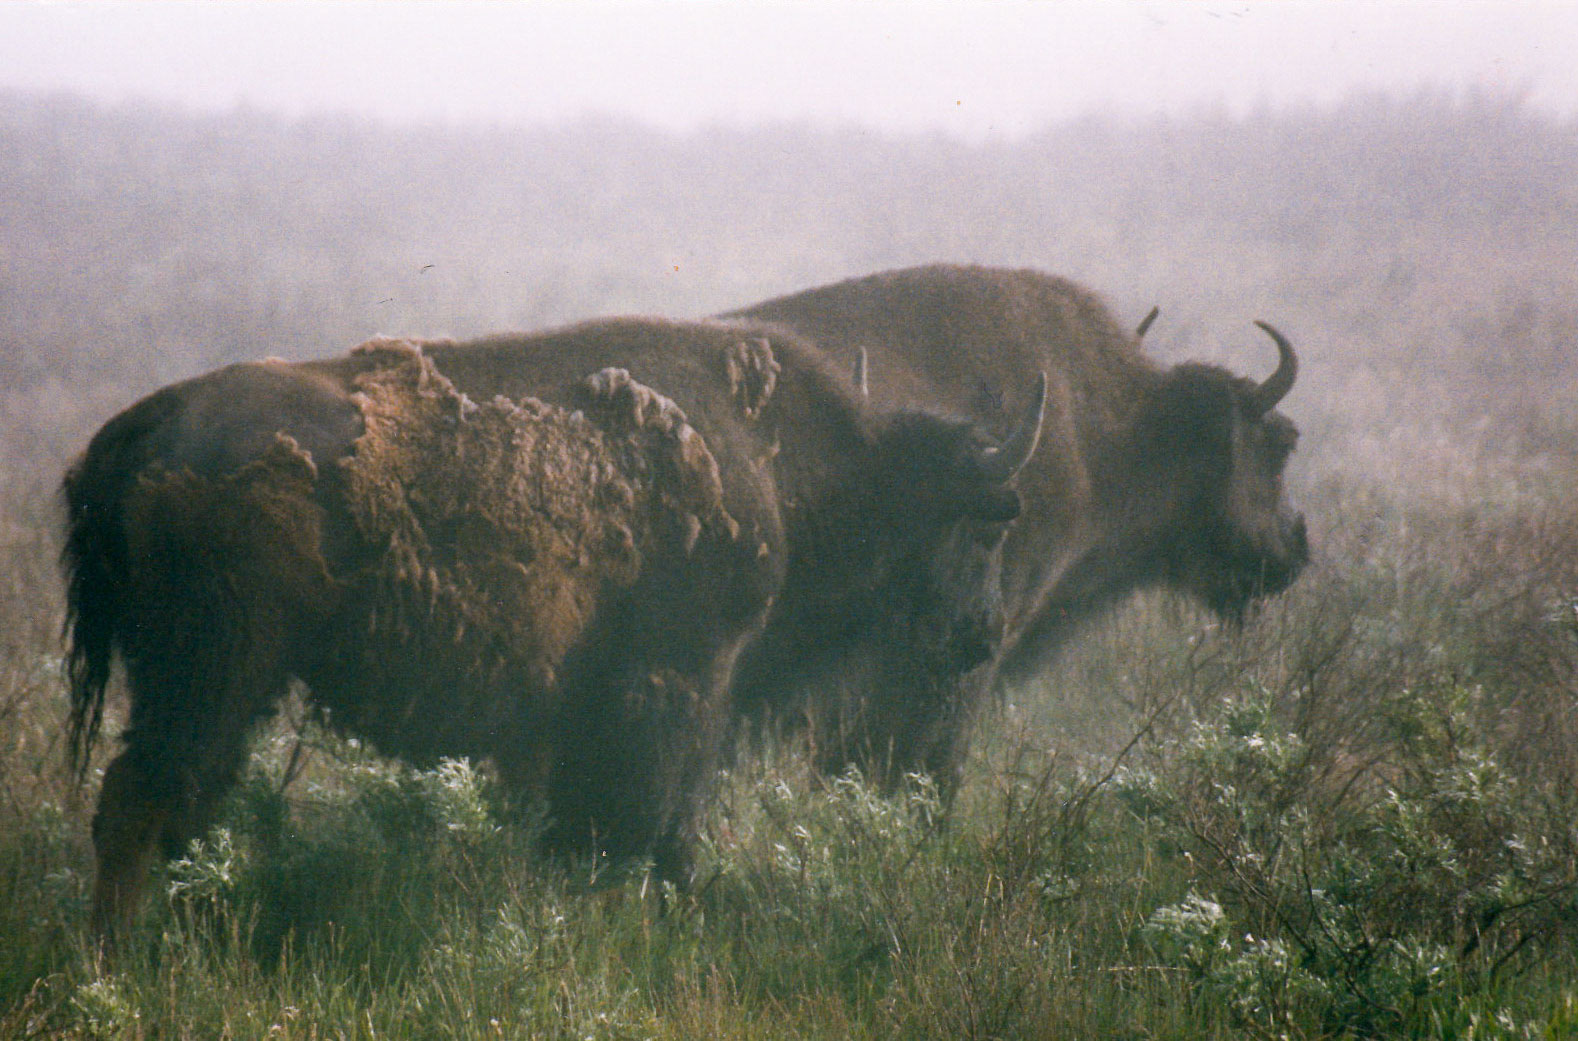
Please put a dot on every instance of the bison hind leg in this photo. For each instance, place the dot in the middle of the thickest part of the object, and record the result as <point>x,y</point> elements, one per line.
<point>128,833</point>
<point>222,585</point>
<point>196,695</point>
<point>149,811</point>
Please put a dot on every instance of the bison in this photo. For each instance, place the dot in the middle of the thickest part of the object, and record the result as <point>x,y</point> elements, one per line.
<point>547,551</point>
<point>1146,476</point>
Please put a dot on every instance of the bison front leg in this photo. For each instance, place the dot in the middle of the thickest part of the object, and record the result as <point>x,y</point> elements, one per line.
<point>901,722</point>
<point>629,771</point>
<point>637,755</point>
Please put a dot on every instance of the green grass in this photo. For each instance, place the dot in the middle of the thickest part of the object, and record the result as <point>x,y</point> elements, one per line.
<point>1348,819</point>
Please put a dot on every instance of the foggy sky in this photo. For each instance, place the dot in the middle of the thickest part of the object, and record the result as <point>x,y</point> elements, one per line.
<point>966,67</point>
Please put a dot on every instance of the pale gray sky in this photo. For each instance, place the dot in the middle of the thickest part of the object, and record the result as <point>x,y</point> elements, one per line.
<point>969,67</point>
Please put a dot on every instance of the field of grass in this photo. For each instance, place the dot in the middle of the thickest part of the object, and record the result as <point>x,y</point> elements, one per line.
<point>1357,816</point>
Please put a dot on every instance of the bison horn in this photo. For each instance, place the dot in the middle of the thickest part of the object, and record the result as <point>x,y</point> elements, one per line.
<point>1280,382</point>
<point>1145,323</point>
<point>1002,462</point>
<point>860,374</point>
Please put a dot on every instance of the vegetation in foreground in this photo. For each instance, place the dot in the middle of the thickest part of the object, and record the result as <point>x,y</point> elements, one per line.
<point>1355,817</point>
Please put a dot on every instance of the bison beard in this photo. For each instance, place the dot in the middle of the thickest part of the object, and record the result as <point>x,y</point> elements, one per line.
<point>547,588</point>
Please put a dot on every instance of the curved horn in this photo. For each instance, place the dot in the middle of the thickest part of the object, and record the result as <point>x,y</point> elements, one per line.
<point>1145,323</point>
<point>1280,382</point>
<point>1001,463</point>
<point>859,376</point>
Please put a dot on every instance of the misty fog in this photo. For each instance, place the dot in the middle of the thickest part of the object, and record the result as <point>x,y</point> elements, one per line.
<point>1419,249</point>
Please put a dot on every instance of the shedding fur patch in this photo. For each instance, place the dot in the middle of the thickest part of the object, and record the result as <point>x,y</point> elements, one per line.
<point>688,479</point>
<point>753,373</point>
<point>500,526</point>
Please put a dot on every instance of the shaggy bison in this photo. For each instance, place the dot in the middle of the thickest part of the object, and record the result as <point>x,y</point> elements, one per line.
<point>1146,476</point>
<point>547,551</point>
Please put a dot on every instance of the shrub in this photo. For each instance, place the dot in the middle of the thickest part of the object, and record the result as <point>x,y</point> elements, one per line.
<point>1412,888</point>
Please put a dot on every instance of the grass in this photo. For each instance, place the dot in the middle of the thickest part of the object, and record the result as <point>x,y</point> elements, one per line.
<point>1351,818</point>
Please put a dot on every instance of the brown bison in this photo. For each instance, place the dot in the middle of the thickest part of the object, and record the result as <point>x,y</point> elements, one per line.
<point>1146,476</point>
<point>514,549</point>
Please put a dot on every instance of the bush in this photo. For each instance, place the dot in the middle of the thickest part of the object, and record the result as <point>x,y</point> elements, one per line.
<point>1414,888</point>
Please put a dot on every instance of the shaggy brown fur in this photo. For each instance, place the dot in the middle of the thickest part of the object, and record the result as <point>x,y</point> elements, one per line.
<point>478,549</point>
<point>506,522</point>
<point>460,579</point>
<point>1144,475</point>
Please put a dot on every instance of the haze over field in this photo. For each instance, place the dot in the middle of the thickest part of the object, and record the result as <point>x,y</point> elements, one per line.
<point>188,183</point>
<point>978,70</point>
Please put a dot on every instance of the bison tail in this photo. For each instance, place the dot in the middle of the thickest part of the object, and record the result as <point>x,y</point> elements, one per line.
<point>94,563</point>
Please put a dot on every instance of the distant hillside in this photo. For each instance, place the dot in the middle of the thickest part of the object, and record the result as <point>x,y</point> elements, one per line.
<point>139,245</point>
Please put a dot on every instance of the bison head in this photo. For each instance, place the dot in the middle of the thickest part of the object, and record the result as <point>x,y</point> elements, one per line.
<point>942,499</point>
<point>1237,536</point>
<point>935,507</point>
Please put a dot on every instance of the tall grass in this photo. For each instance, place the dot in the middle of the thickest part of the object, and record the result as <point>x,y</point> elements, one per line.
<point>1352,817</point>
